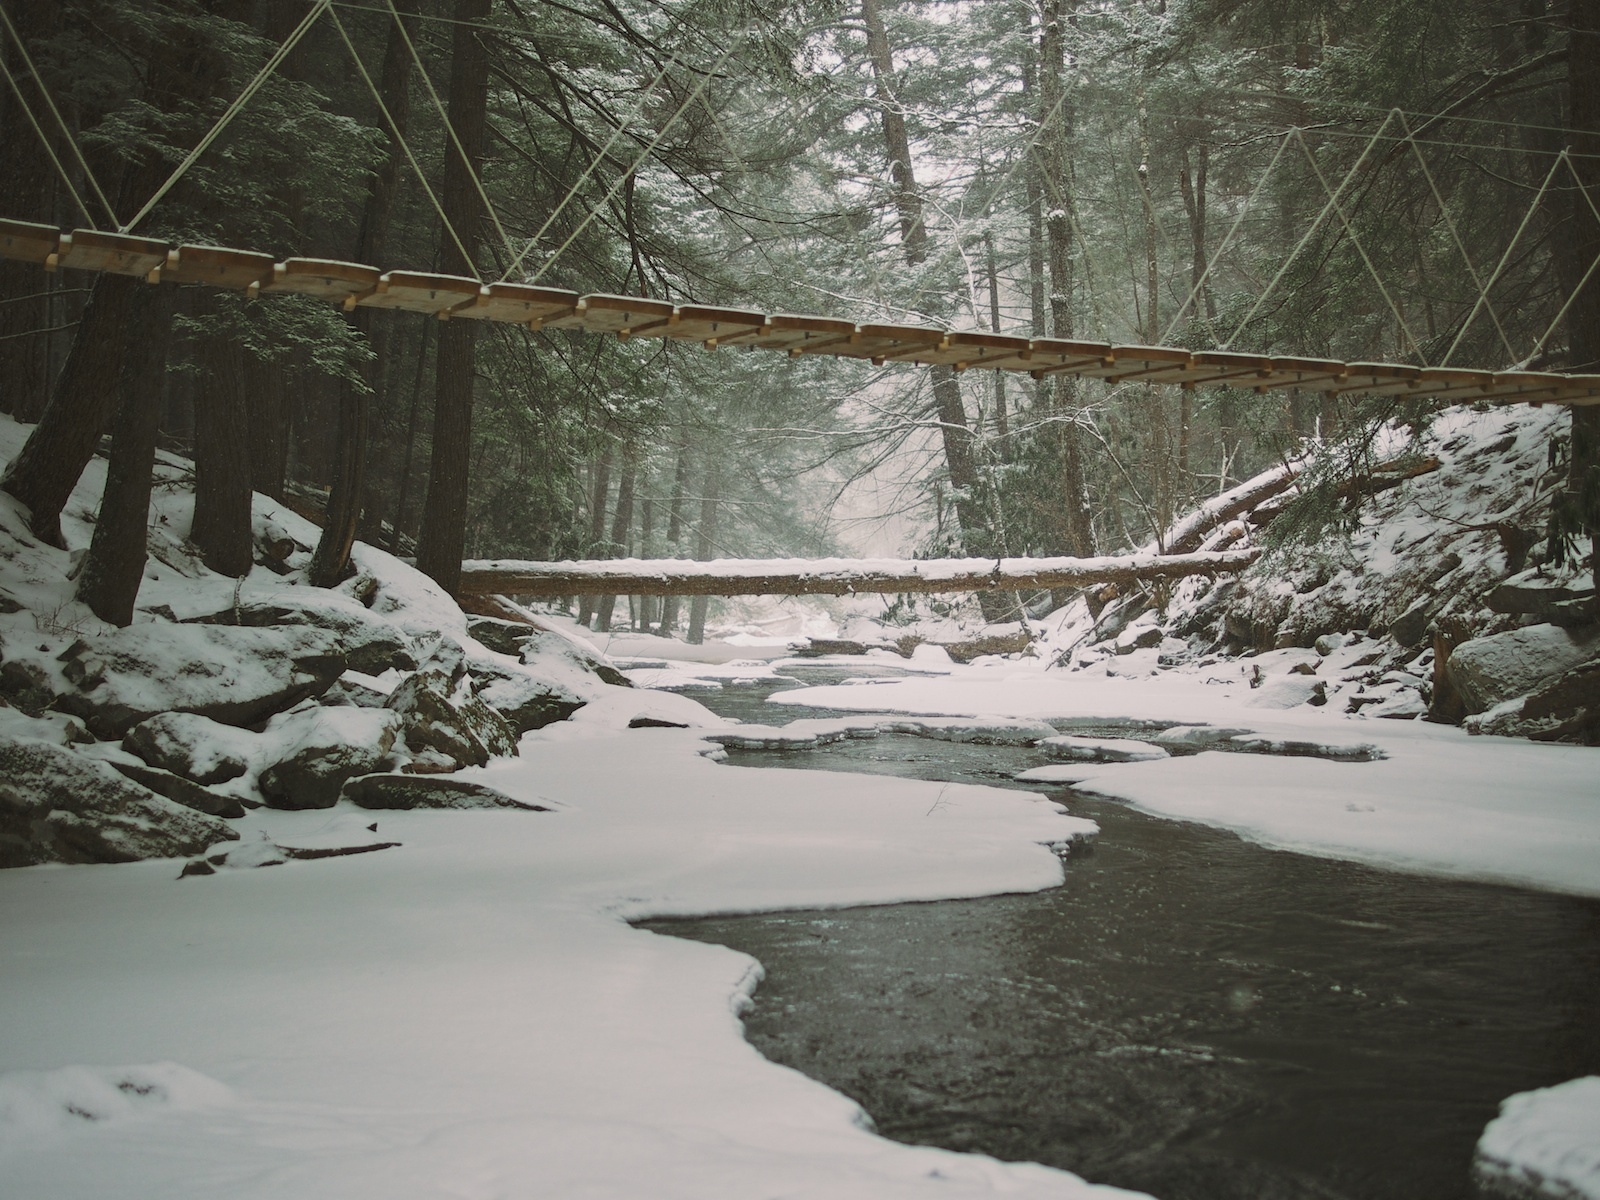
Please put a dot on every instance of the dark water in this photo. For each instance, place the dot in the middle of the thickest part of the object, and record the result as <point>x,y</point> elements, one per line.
<point>1188,1015</point>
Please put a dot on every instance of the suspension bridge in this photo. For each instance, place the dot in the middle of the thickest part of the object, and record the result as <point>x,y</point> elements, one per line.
<point>354,285</point>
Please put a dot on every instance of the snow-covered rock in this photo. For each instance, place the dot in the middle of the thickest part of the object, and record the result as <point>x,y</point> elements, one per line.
<point>316,750</point>
<point>1568,708</point>
<point>58,806</point>
<point>1290,691</point>
<point>443,715</point>
<point>428,791</point>
<point>232,674</point>
<point>1490,670</point>
<point>193,746</point>
<point>1100,750</point>
<point>369,644</point>
<point>1544,1145</point>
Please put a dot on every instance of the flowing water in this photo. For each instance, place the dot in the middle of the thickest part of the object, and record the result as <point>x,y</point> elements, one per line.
<point>1189,1015</point>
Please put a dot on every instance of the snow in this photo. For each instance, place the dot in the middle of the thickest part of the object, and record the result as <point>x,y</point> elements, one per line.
<point>469,1015</point>
<point>1438,802</point>
<point>1544,1143</point>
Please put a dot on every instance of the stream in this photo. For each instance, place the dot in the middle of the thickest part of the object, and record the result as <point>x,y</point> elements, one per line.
<point>1188,1015</point>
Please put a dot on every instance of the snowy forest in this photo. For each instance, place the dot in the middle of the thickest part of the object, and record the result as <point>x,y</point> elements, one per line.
<point>830,598</point>
<point>1123,172</point>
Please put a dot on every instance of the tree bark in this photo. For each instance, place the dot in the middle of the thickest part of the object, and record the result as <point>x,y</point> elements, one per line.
<point>114,568</point>
<point>52,460</point>
<point>444,525</point>
<point>680,488</point>
<point>222,479</point>
<point>331,562</point>
<point>1055,121</point>
<point>621,523</point>
<point>705,547</point>
<point>598,493</point>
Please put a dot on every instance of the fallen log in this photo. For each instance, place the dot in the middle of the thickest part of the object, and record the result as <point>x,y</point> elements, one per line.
<point>829,576</point>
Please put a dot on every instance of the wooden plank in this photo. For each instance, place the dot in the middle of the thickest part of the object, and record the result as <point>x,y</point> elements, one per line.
<point>1451,383</point>
<point>963,348</point>
<point>516,304</point>
<point>414,291</point>
<point>624,316</point>
<point>887,343</point>
<point>1213,367</point>
<point>792,332</point>
<point>712,326</point>
<point>322,279</point>
<point>24,241</point>
<point>1536,387</point>
<point>831,577</point>
<point>1051,356</point>
<point>217,266</point>
<point>1140,362</point>
<point>118,253</point>
<point>1310,374</point>
<point>1379,379</point>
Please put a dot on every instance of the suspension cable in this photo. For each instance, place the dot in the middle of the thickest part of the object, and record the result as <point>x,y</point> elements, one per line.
<point>66,130</point>
<point>405,147</point>
<point>233,110</point>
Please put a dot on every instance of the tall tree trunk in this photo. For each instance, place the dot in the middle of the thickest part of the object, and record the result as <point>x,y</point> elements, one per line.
<point>597,523</point>
<point>645,605</point>
<point>1056,122</point>
<point>955,432</point>
<point>680,489</point>
<point>1002,429</point>
<point>705,546</point>
<point>114,568</point>
<point>332,558</point>
<point>1582,499</point>
<point>621,523</point>
<point>413,421</point>
<point>222,481</point>
<point>444,525</point>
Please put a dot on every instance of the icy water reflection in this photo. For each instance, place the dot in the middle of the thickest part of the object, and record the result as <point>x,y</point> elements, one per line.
<point>1189,1015</point>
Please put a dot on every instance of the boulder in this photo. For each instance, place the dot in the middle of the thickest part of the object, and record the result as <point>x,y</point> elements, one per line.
<point>1487,671</point>
<point>197,748</point>
<point>315,751</point>
<point>1534,593</point>
<point>427,791</point>
<point>1290,691</point>
<point>503,637</point>
<point>58,806</point>
<point>528,701</point>
<point>369,644</point>
<point>1411,626</point>
<point>178,789</point>
<point>447,717</point>
<point>232,674</point>
<point>1567,709</point>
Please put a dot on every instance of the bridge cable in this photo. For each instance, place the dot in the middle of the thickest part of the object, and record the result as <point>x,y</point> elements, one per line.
<point>394,129</point>
<point>66,130</point>
<point>233,110</point>
<point>1582,283</point>
<point>450,129</point>
<point>1194,292</point>
<point>44,141</point>
<point>639,162</point>
<point>1500,267</point>
<point>1361,250</point>
<point>1455,234</point>
<point>1306,239</point>
<point>594,164</point>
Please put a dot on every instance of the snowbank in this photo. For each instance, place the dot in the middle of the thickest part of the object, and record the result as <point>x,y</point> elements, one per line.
<point>1544,1144</point>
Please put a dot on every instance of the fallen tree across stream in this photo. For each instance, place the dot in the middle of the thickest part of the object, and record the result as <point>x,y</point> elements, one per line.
<point>831,576</point>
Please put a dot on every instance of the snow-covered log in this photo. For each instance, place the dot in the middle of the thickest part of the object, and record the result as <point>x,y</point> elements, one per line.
<point>830,576</point>
<point>1190,530</point>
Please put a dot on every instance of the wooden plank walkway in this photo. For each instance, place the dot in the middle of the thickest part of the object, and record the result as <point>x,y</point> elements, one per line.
<point>831,576</point>
<point>450,297</point>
